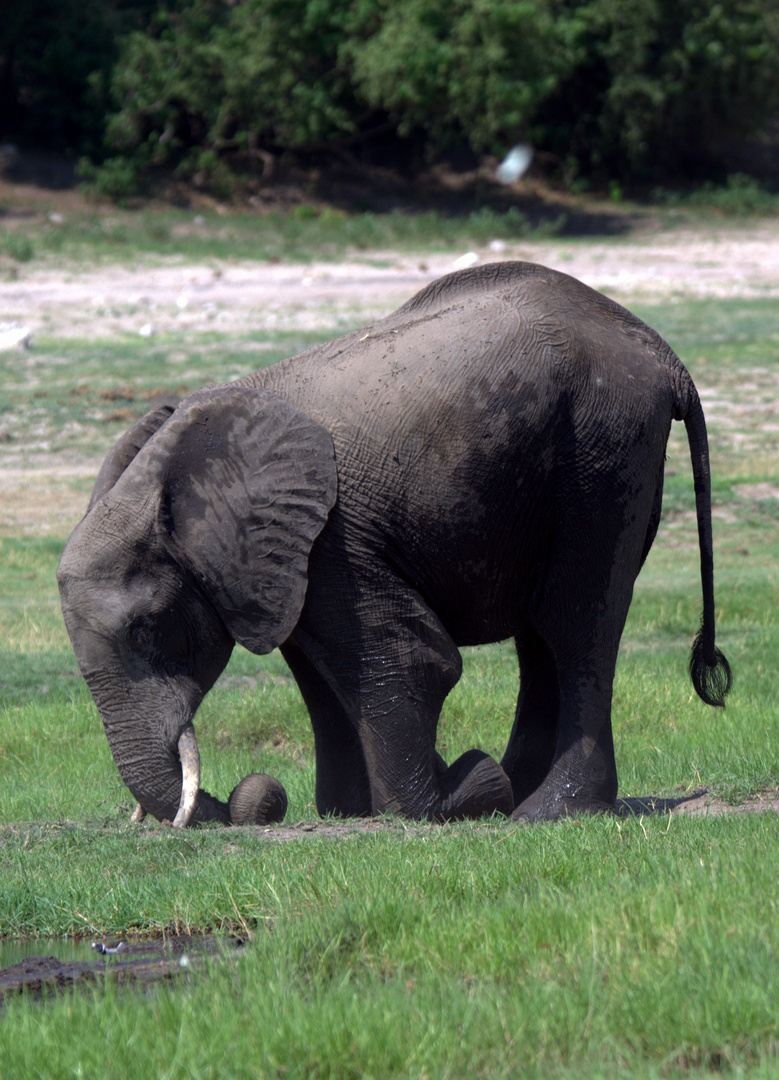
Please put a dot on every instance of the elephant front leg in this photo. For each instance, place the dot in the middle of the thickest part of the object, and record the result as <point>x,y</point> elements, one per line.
<point>405,673</point>
<point>418,785</point>
<point>474,785</point>
<point>384,656</point>
<point>342,783</point>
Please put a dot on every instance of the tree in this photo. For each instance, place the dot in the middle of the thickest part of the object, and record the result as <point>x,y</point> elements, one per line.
<point>658,86</point>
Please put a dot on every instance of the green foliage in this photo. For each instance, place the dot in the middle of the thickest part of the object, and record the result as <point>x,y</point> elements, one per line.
<point>622,90</point>
<point>17,246</point>
<point>304,234</point>
<point>209,79</point>
<point>657,85</point>
<point>55,61</point>
<point>739,196</point>
<point>465,72</point>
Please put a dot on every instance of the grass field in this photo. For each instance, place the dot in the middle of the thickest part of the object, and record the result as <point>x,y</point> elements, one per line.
<point>645,947</point>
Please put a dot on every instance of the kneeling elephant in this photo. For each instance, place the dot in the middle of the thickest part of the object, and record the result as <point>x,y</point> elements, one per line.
<point>485,463</point>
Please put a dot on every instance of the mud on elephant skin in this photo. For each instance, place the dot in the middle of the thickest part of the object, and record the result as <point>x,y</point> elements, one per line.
<point>485,463</point>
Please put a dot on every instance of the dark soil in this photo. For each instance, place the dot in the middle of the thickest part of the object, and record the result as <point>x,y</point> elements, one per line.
<point>138,963</point>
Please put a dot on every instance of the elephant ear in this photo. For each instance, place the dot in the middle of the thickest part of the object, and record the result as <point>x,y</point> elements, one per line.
<point>247,483</point>
<point>128,447</point>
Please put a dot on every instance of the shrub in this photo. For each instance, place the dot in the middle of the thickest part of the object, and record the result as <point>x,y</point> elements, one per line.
<point>55,63</point>
<point>657,86</point>
<point>621,89</point>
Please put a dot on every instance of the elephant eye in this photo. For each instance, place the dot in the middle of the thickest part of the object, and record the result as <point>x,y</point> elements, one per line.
<point>140,635</point>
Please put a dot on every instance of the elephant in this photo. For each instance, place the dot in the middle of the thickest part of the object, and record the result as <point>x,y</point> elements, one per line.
<point>485,463</point>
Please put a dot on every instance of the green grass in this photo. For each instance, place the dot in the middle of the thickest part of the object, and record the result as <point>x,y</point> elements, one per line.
<point>739,196</point>
<point>301,235</point>
<point>598,948</point>
<point>605,948</point>
<point>74,396</point>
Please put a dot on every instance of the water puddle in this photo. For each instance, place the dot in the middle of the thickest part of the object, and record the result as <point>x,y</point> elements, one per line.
<point>44,965</point>
<point>14,950</point>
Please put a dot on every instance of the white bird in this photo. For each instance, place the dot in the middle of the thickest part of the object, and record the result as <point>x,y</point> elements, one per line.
<point>107,948</point>
<point>515,164</point>
<point>13,335</point>
<point>465,261</point>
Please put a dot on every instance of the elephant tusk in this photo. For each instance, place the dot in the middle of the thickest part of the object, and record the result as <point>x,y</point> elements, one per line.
<point>138,814</point>
<point>190,777</point>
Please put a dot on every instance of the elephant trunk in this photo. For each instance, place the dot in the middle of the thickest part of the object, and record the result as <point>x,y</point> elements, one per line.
<point>162,772</point>
<point>190,781</point>
<point>166,782</point>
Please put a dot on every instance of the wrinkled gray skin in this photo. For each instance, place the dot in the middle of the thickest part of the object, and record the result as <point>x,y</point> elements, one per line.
<point>486,462</point>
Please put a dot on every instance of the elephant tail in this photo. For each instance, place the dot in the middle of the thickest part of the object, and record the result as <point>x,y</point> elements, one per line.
<point>709,670</point>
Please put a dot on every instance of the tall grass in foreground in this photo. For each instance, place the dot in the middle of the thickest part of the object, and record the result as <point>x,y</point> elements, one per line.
<point>598,948</point>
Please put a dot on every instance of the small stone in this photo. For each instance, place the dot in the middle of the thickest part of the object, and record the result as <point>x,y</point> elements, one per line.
<point>13,336</point>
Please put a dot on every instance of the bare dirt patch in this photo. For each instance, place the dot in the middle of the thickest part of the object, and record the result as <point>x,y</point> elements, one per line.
<point>699,803</point>
<point>235,298</point>
<point>228,297</point>
<point>757,492</point>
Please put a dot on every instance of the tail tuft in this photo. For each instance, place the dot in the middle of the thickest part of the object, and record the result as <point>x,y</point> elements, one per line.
<point>711,677</point>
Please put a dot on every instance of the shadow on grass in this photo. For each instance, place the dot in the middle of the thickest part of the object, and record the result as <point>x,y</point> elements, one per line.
<point>701,802</point>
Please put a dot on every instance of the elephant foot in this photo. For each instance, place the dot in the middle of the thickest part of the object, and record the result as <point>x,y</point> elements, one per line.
<point>473,786</point>
<point>258,799</point>
<point>553,805</point>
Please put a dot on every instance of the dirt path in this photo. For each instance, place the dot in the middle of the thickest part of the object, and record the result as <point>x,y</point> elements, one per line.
<point>236,298</point>
<point>228,297</point>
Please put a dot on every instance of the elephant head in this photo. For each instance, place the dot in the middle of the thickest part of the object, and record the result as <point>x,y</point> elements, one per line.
<point>197,536</point>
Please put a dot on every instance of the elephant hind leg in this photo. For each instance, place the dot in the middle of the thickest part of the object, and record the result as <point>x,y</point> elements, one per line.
<point>531,747</point>
<point>583,775</point>
<point>392,664</point>
<point>601,536</point>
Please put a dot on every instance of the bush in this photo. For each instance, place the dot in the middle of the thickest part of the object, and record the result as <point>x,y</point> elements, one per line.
<point>55,62</point>
<point>465,72</point>
<point>617,89</point>
<point>210,81</point>
<point>658,86</point>
<point>739,196</point>
<point>17,246</point>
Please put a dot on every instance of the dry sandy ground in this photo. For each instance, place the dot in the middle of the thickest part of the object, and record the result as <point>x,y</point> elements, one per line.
<point>651,265</point>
